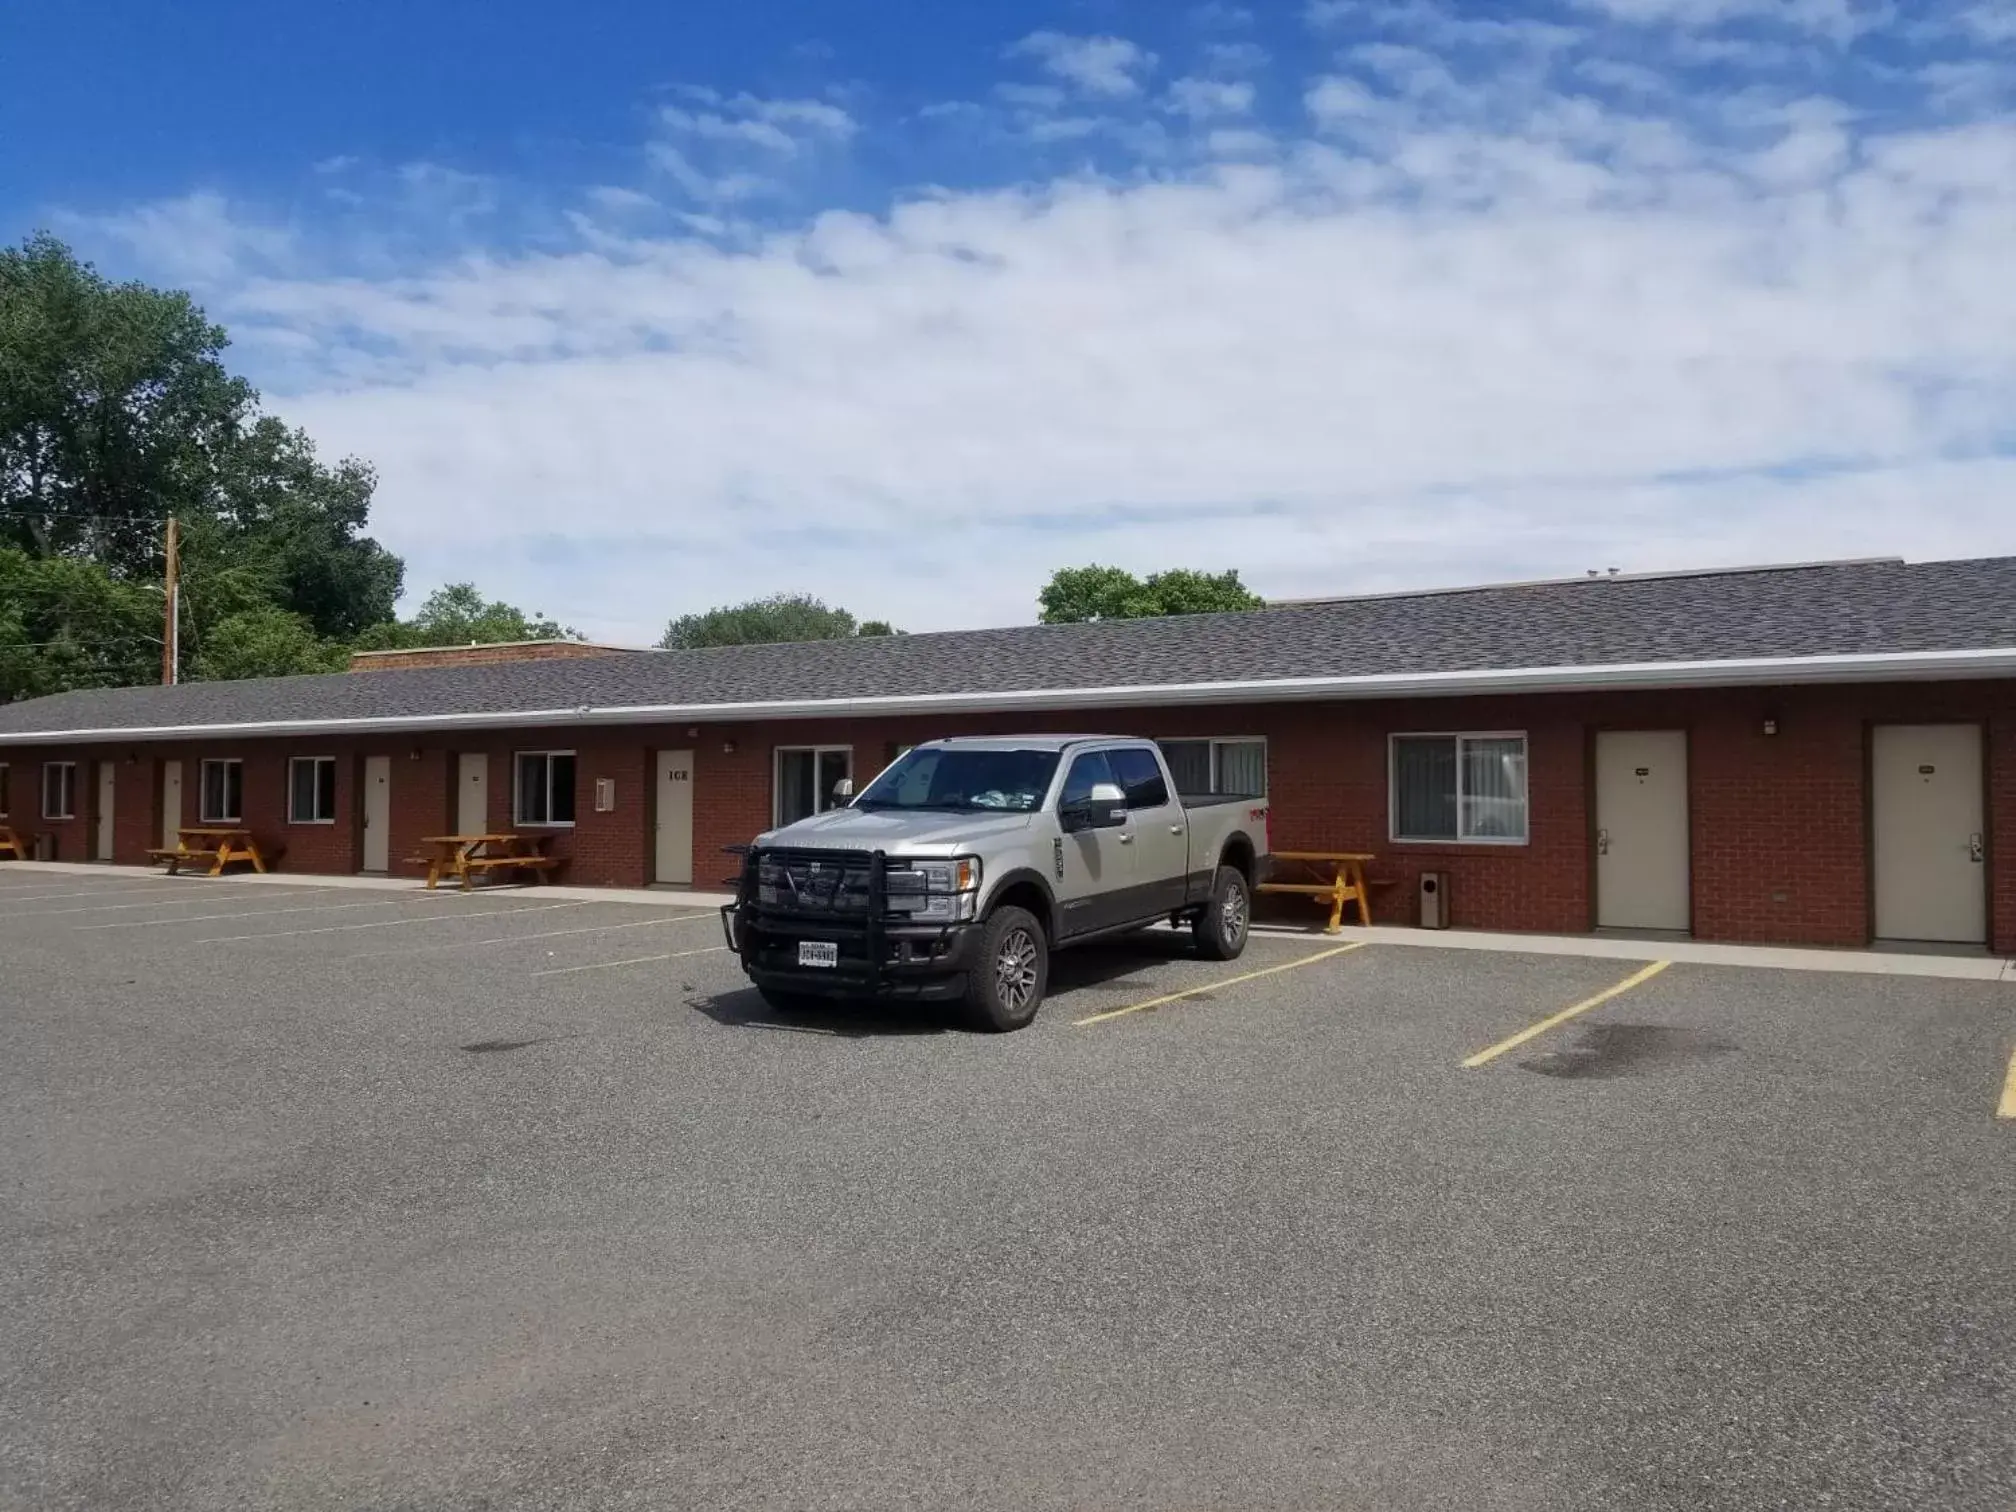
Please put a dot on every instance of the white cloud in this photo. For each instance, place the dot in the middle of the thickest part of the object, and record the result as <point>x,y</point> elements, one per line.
<point>1111,67</point>
<point>1841,20</point>
<point>1235,57</point>
<point>1405,346</point>
<point>1202,98</point>
<point>1337,99</point>
<point>198,239</point>
<point>1991,21</point>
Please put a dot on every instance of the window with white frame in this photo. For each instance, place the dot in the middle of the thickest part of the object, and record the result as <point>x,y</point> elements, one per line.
<point>543,787</point>
<point>59,790</point>
<point>222,791</point>
<point>1217,767</point>
<point>311,790</point>
<point>1460,789</point>
<point>805,779</point>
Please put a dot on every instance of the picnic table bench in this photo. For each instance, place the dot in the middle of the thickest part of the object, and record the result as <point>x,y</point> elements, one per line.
<point>468,856</point>
<point>220,845</point>
<point>14,843</point>
<point>1333,877</point>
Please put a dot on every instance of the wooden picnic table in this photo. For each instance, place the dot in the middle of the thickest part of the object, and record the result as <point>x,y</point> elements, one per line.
<point>14,844</point>
<point>219,844</point>
<point>1336,878</point>
<point>466,855</point>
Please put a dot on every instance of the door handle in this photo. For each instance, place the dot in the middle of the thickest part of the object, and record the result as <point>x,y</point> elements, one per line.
<point>1602,842</point>
<point>1977,849</point>
<point>1175,829</point>
<point>1126,839</point>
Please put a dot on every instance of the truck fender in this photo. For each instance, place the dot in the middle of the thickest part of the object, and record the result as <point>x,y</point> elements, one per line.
<point>1019,885</point>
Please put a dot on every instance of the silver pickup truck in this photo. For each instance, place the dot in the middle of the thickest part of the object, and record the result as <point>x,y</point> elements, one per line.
<point>955,874</point>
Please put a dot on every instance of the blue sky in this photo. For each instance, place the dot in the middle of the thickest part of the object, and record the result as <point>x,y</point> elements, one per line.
<point>640,308</point>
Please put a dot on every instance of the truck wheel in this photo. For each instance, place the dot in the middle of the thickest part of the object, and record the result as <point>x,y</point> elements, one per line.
<point>1012,967</point>
<point>1222,928</point>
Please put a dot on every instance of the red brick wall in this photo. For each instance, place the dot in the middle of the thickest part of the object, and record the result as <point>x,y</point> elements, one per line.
<point>1779,838</point>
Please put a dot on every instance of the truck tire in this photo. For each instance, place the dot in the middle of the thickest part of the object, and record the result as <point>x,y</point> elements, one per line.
<point>1227,920</point>
<point>1010,972</point>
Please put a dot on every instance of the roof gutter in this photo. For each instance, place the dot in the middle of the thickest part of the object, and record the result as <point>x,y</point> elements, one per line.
<point>1904,666</point>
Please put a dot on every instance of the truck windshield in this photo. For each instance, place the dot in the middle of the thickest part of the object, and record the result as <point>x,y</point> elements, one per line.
<point>941,777</point>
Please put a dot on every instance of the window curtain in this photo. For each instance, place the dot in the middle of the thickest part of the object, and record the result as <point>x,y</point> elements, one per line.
<point>1242,767</point>
<point>1494,789</point>
<point>1424,787</point>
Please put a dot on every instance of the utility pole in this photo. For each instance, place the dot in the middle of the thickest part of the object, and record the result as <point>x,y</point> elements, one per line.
<point>171,628</point>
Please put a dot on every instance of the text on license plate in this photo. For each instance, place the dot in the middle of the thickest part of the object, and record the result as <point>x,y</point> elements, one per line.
<point>818,953</point>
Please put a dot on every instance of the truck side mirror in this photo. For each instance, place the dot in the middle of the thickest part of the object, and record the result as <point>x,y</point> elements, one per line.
<point>1109,806</point>
<point>844,789</point>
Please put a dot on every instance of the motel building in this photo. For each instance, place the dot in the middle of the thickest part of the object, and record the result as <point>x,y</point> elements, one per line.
<point>1816,754</point>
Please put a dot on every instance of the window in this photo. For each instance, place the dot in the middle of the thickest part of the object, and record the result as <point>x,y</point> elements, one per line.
<point>1469,789</point>
<point>1086,773</point>
<point>59,790</point>
<point>1140,777</point>
<point>311,790</point>
<point>3,790</point>
<point>544,790</point>
<point>222,791</point>
<point>806,777</point>
<point>1217,767</point>
<point>954,778</point>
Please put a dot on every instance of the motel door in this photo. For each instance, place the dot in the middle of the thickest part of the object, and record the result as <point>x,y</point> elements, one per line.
<point>674,839</point>
<point>101,837</point>
<point>377,813</point>
<point>1930,850</point>
<point>1641,830</point>
<point>472,794</point>
<point>171,803</point>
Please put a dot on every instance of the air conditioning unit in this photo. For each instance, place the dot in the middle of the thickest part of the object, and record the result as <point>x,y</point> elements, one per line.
<point>1434,900</point>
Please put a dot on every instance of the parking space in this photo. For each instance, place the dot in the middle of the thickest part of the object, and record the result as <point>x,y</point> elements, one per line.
<point>320,1197</point>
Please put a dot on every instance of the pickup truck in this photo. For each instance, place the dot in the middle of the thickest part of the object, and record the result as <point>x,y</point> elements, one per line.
<point>956,873</point>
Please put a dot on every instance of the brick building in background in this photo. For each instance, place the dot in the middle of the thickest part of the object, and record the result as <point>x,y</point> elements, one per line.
<point>1819,754</point>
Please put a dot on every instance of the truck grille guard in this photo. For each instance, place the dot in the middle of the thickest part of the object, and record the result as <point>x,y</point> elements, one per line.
<point>830,917</point>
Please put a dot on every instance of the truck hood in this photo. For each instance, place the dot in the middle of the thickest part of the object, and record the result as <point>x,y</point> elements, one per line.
<point>926,832</point>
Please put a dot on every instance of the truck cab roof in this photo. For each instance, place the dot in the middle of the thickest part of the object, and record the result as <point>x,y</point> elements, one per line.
<point>1026,742</point>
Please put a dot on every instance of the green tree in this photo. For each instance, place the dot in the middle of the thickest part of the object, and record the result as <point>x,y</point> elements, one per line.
<point>782,617</point>
<point>68,623</point>
<point>266,641</point>
<point>459,615</point>
<point>116,411</point>
<point>1077,595</point>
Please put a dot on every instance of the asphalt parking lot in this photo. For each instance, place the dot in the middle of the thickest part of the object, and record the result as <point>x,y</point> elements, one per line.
<point>325,1198</point>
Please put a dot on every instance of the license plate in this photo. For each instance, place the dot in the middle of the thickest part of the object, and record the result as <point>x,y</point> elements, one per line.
<point>818,953</point>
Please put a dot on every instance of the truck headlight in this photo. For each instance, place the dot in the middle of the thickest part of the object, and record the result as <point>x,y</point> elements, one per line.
<point>935,892</point>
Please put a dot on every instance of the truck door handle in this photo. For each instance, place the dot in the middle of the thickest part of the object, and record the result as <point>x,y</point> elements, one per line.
<point>1126,839</point>
<point>1175,829</point>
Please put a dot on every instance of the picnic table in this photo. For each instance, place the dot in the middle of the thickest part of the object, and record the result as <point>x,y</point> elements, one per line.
<point>13,844</point>
<point>219,844</point>
<point>1332,877</point>
<point>465,856</point>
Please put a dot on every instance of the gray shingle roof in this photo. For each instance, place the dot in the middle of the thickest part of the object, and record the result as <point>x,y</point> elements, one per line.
<point>1843,609</point>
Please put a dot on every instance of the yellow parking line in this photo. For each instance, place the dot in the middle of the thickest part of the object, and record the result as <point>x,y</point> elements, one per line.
<point>1177,997</point>
<point>1637,978</point>
<point>633,961</point>
<point>2007,1107</point>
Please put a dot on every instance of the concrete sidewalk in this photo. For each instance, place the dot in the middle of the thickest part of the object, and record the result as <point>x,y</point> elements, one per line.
<point>1955,966</point>
<point>663,896</point>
